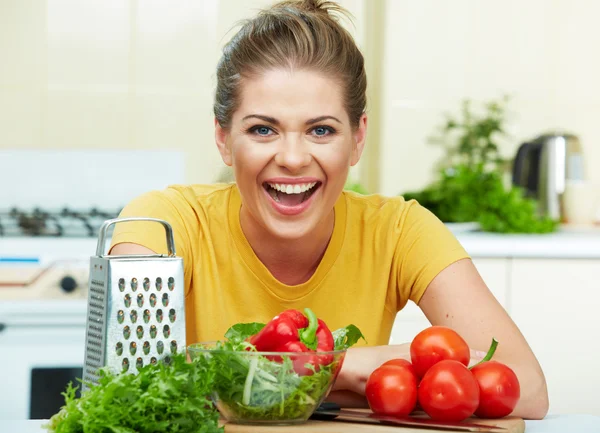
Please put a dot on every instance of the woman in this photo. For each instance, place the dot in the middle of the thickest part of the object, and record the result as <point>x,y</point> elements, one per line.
<point>290,120</point>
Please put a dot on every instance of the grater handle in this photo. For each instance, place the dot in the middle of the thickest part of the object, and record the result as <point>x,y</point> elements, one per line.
<point>104,228</point>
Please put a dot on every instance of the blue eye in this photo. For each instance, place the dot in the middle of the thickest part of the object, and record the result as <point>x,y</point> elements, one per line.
<point>322,131</point>
<point>263,131</point>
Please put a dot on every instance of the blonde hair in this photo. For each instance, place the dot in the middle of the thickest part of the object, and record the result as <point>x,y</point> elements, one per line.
<point>302,34</point>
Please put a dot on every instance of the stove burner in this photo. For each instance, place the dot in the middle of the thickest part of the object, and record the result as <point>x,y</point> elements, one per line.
<point>47,223</point>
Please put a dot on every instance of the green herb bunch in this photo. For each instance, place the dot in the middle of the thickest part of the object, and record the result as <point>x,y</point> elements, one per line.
<point>469,185</point>
<point>167,397</point>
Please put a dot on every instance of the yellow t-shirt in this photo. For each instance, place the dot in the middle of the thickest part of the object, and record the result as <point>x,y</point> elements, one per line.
<point>383,252</point>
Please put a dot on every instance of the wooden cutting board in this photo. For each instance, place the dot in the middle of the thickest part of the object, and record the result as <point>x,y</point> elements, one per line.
<point>511,424</point>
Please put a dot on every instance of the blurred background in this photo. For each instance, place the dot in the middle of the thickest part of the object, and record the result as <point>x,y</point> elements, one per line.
<point>101,100</point>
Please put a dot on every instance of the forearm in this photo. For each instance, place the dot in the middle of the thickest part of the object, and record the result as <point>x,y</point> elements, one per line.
<point>533,402</point>
<point>360,362</point>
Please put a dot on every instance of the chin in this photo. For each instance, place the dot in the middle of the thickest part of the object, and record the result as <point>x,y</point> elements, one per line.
<point>291,230</point>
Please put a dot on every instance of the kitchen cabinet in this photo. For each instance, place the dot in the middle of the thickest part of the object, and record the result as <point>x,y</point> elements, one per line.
<point>555,303</point>
<point>411,320</point>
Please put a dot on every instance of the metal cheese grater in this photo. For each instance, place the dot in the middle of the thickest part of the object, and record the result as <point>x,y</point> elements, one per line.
<point>135,312</point>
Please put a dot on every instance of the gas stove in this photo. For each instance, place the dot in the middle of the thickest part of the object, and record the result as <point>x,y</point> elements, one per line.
<point>70,223</point>
<point>44,253</point>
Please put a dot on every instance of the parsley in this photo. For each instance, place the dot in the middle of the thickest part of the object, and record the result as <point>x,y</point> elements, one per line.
<point>161,398</point>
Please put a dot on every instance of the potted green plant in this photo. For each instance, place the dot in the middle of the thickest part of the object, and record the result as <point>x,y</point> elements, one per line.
<point>469,184</point>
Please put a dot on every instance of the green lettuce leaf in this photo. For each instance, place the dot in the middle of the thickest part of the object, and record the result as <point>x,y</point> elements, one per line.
<point>241,331</point>
<point>344,338</point>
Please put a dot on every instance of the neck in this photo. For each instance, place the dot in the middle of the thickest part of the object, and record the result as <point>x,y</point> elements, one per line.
<point>292,262</point>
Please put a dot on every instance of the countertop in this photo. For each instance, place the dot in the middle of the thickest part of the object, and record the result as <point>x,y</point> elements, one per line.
<point>551,424</point>
<point>568,242</point>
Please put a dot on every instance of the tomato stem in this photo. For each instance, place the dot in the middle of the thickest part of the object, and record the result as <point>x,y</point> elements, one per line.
<point>489,354</point>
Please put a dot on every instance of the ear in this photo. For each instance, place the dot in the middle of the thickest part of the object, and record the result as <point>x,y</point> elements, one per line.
<point>360,136</point>
<point>221,137</point>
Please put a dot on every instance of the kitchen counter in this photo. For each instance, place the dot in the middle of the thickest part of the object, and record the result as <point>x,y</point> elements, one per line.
<point>568,242</point>
<point>551,424</point>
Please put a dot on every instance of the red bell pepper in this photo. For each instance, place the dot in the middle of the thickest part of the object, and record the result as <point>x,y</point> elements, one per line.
<point>292,331</point>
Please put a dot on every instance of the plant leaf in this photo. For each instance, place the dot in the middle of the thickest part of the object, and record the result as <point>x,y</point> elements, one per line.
<point>344,338</point>
<point>240,331</point>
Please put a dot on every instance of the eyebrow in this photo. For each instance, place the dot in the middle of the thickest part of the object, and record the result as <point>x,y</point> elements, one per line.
<point>274,121</point>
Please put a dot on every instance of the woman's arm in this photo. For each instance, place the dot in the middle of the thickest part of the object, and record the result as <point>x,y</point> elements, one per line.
<point>459,298</point>
<point>127,248</point>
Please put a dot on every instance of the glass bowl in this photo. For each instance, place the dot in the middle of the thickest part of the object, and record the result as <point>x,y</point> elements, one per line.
<point>253,387</point>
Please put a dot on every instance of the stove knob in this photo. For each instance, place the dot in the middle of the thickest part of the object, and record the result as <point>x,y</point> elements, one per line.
<point>68,284</point>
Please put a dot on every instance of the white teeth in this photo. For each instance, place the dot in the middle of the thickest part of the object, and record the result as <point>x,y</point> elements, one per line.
<point>292,189</point>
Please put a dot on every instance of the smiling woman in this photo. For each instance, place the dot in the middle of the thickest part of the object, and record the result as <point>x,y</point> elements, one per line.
<point>290,120</point>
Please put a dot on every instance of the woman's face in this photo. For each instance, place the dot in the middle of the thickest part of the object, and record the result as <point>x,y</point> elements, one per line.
<point>291,145</point>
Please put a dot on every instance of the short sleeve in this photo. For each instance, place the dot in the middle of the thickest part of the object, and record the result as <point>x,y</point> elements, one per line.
<point>425,248</point>
<point>165,205</point>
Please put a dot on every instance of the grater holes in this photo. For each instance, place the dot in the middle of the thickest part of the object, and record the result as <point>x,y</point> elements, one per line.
<point>153,360</point>
<point>134,284</point>
<point>146,347</point>
<point>153,331</point>
<point>133,347</point>
<point>127,300</point>
<point>119,349</point>
<point>139,363</point>
<point>159,315</point>
<point>122,284</point>
<point>153,300</point>
<point>158,284</point>
<point>146,284</point>
<point>165,299</point>
<point>139,332</point>
<point>146,316</point>
<point>173,346</point>
<point>133,316</point>
<point>120,316</point>
<point>140,300</point>
<point>166,331</point>
<point>126,332</point>
<point>160,347</point>
<point>171,283</point>
<point>125,364</point>
<point>172,315</point>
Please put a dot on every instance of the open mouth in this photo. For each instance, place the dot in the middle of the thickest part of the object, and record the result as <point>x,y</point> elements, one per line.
<point>291,195</point>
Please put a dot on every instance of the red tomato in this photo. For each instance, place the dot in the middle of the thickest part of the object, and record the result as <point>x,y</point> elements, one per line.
<point>499,389</point>
<point>392,390</point>
<point>449,392</point>
<point>401,363</point>
<point>435,344</point>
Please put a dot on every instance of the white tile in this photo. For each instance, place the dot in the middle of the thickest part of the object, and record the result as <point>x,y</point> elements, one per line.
<point>89,45</point>
<point>425,49</point>
<point>510,50</point>
<point>21,114</point>
<point>179,122</point>
<point>576,56</point>
<point>93,120</point>
<point>23,44</point>
<point>174,46</point>
<point>406,156</point>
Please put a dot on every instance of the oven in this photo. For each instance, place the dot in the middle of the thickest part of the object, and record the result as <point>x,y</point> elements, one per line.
<point>44,269</point>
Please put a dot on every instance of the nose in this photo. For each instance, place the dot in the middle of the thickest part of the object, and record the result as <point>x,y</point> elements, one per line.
<point>293,154</point>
